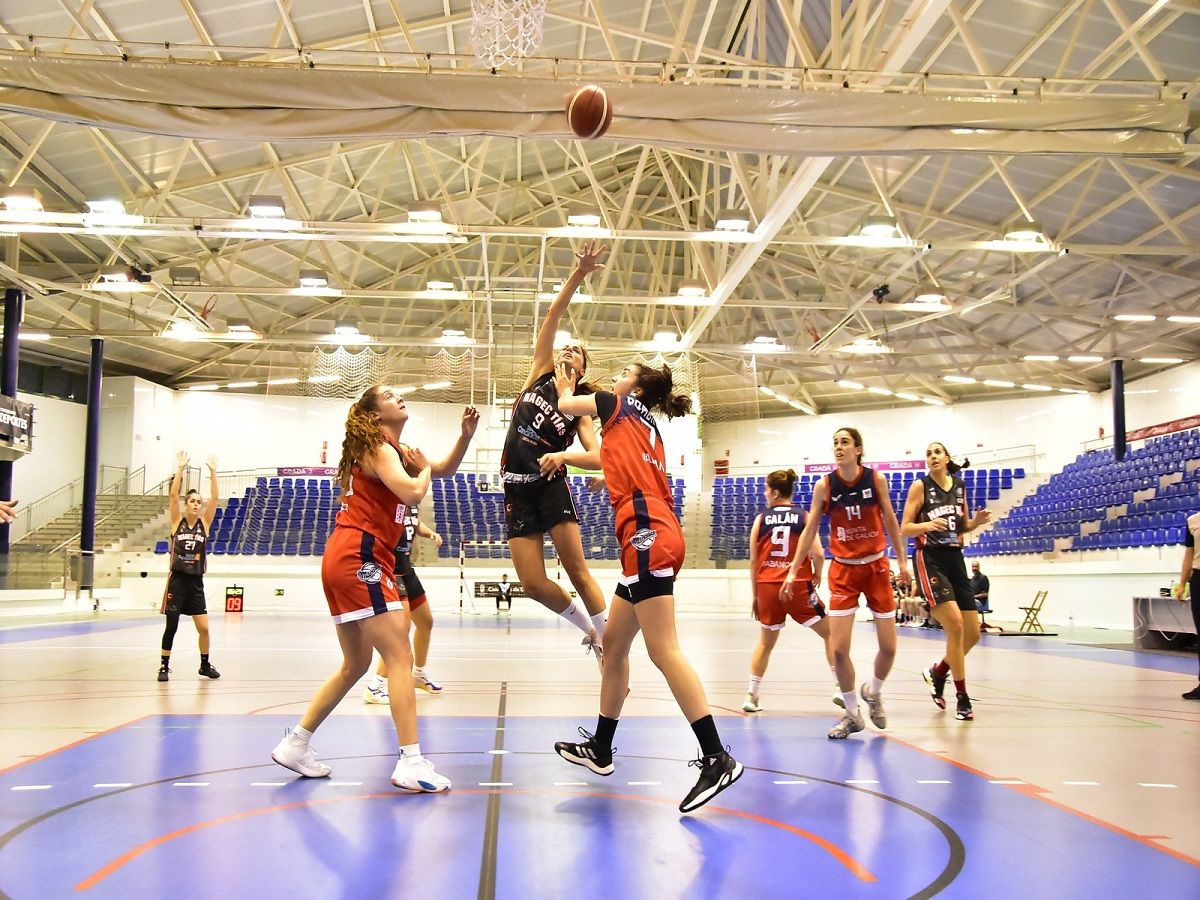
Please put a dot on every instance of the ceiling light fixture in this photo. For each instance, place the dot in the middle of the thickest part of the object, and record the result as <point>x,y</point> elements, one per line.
<point>879,227</point>
<point>996,382</point>
<point>233,385</point>
<point>436,385</point>
<point>1025,231</point>
<point>313,278</point>
<point>1034,357</point>
<point>584,218</point>
<point>1134,317</point>
<point>1184,320</point>
<point>266,206</point>
<point>732,220</point>
<point>439,284</point>
<point>425,211</point>
<point>1161,360</point>
<point>288,380</point>
<point>958,379</point>
<point>1085,359</point>
<point>691,287</point>
<point>853,385</point>
<point>21,200</point>
<point>345,327</point>
<point>865,345</point>
<point>1037,387</point>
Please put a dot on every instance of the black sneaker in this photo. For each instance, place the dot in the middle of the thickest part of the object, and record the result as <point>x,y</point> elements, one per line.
<point>587,754</point>
<point>964,710</point>
<point>937,686</point>
<point>1193,694</point>
<point>164,673</point>
<point>716,773</point>
<point>207,670</point>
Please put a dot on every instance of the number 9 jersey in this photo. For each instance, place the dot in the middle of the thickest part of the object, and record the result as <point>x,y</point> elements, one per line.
<point>779,530</point>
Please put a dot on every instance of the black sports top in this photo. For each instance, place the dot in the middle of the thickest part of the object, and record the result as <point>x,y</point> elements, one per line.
<point>950,505</point>
<point>187,548</point>
<point>535,429</point>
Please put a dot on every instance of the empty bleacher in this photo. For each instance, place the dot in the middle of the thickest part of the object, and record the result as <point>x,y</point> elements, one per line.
<point>275,517</point>
<point>1096,494</point>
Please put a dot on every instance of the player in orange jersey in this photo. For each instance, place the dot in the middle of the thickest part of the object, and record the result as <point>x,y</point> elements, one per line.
<point>652,551</point>
<point>380,477</point>
<point>861,521</point>
<point>772,546</point>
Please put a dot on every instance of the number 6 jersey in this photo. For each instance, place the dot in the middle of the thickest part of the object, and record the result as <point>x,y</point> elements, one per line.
<point>779,530</point>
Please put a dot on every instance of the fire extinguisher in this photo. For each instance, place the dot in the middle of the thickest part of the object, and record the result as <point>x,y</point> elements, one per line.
<point>322,457</point>
<point>324,447</point>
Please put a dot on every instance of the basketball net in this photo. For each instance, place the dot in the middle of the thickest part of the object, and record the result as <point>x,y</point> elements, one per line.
<point>505,31</point>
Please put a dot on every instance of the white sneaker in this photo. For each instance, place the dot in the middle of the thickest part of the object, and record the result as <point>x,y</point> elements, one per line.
<point>751,704</point>
<point>376,693</point>
<point>418,775</point>
<point>295,754</point>
<point>425,683</point>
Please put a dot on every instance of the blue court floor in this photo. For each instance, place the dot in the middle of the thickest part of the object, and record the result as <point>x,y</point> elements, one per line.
<point>132,788</point>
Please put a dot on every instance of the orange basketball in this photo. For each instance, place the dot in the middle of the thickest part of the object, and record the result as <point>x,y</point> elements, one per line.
<point>588,111</point>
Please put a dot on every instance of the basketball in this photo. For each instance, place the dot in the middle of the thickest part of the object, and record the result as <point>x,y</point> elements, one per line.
<point>588,111</point>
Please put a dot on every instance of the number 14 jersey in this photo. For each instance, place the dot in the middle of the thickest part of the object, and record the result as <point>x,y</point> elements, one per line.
<point>778,533</point>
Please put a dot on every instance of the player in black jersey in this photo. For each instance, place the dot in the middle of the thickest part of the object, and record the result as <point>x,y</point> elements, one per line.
<point>184,595</point>
<point>537,499</point>
<point>938,513</point>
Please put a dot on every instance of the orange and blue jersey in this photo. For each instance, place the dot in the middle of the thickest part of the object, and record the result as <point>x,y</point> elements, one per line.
<point>855,516</point>
<point>778,533</point>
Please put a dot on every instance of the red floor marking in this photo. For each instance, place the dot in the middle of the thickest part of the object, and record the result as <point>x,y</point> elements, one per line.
<point>856,868</point>
<point>91,737</point>
<point>1040,793</point>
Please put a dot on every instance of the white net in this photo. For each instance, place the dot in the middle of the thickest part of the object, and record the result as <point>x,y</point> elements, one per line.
<point>344,373</point>
<point>504,31</point>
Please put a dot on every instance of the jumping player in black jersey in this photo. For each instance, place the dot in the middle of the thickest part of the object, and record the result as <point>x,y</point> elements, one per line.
<point>537,499</point>
<point>938,513</point>
<point>184,595</point>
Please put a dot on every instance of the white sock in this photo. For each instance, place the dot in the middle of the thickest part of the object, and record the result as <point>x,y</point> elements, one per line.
<point>876,687</point>
<point>851,700</point>
<point>418,670</point>
<point>301,734</point>
<point>598,622</point>
<point>410,751</point>
<point>376,681</point>
<point>577,616</point>
<point>755,684</point>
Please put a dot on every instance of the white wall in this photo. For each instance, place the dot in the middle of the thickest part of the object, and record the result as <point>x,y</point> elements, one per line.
<point>59,427</point>
<point>1058,425</point>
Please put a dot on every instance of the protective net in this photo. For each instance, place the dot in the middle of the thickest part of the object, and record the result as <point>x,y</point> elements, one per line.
<point>728,389</point>
<point>467,374</point>
<point>341,372</point>
<point>505,31</point>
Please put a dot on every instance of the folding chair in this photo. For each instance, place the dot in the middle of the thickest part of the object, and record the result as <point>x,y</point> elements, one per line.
<point>1031,623</point>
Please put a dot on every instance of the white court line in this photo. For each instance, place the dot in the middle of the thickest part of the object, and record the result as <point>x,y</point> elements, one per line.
<point>789,782</point>
<point>1005,781</point>
<point>190,784</point>
<point>1083,783</point>
<point>861,781</point>
<point>498,752</point>
<point>495,784</point>
<point>1152,784</point>
<point>109,784</point>
<point>345,783</point>
<point>932,781</point>
<point>642,783</point>
<point>31,787</point>
<point>268,784</point>
<point>570,784</point>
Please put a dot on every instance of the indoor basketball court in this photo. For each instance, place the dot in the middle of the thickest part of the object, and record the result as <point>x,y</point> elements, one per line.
<point>927,222</point>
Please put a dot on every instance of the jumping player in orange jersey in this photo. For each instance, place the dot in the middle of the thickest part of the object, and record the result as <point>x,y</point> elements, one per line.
<point>537,499</point>
<point>937,512</point>
<point>772,545</point>
<point>861,520</point>
<point>652,551</point>
<point>380,477</point>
